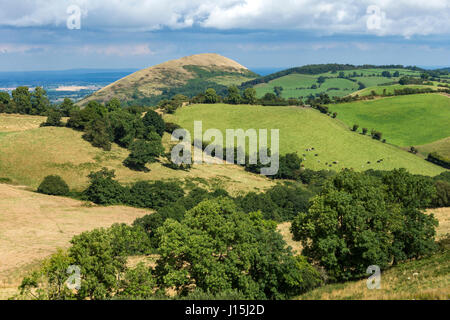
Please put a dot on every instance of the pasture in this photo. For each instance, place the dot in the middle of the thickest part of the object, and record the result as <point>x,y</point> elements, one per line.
<point>404,120</point>
<point>335,146</point>
<point>30,155</point>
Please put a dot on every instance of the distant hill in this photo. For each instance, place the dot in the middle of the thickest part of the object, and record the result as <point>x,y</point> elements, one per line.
<point>189,76</point>
<point>316,69</point>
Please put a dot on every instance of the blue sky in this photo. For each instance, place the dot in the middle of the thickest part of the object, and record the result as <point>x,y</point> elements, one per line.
<point>256,33</point>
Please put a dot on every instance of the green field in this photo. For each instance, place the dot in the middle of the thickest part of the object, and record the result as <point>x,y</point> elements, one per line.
<point>303,128</point>
<point>299,85</point>
<point>404,120</point>
<point>379,90</point>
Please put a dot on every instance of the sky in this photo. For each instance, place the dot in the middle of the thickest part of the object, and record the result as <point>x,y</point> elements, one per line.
<point>73,34</point>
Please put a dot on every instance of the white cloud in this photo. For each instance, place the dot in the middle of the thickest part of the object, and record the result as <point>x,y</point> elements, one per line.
<point>402,17</point>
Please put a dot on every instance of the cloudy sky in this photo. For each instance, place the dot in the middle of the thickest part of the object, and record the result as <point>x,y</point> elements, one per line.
<point>35,34</point>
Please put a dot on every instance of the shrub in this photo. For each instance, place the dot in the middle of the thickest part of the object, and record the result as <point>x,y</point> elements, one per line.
<point>54,186</point>
<point>364,131</point>
<point>53,119</point>
<point>104,190</point>
<point>154,195</point>
<point>355,127</point>
<point>143,152</point>
<point>153,122</point>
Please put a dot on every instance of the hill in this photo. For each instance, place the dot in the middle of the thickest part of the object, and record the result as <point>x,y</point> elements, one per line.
<point>304,128</point>
<point>189,76</point>
<point>405,121</point>
<point>31,154</point>
<point>332,79</point>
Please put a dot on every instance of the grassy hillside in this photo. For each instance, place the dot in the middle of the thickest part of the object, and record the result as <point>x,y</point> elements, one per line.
<point>299,85</point>
<point>298,82</point>
<point>189,76</point>
<point>390,89</point>
<point>404,120</point>
<point>30,155</point>
<point>33,226</point>
<point>442,147</point>
<point>301,129</point>
<point>425,279</point>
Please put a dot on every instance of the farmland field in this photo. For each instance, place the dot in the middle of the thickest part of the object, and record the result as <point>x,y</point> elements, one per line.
<point>303,128</point>
<point>390,89</point>
<point>299,85</point>
<point>404,120</point>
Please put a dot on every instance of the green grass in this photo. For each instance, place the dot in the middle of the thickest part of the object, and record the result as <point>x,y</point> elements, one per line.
<point>425,279</point>
<point>299,85</point>
<point>389,89</point>
<point>404,120</point>
<point>28,156</point>
<point>302,128</point>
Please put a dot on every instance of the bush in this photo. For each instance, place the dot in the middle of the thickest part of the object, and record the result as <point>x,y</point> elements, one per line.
<point>104,190</point>
<point>153,122</point>
<point>143,152</point>
<point>53,119</point>
<point>364,131</point>
<point>355,127</point>
<point>154,195</point>
<point>54,186</point>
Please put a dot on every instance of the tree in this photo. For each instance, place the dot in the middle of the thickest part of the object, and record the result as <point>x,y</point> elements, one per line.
<point>321,80</point>
<point>250,96</point>
<point>359,220</point>
<point>80,119</point>
<point>53,119</point>
<point>125,127</point>
<point>211,96</point>
<point>39,101</point>
<point>143,152</point>
<point>233,95</point>
<point>219,249</point>
<point>355,127</point>
<point>153,122</point>
<point>5,102</point>
<point>54,186</point>
<point>67,107</point>
<point>278,91</point>
<point>97,134</point>
<point>104,190</point>
<point>22,100</point>
<point>113,105</point>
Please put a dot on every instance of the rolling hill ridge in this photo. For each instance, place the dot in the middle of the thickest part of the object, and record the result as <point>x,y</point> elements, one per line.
<point>189,76</point>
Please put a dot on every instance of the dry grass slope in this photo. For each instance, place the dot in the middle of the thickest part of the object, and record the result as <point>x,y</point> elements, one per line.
<point>172,73</point>
<point>33,226</point>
